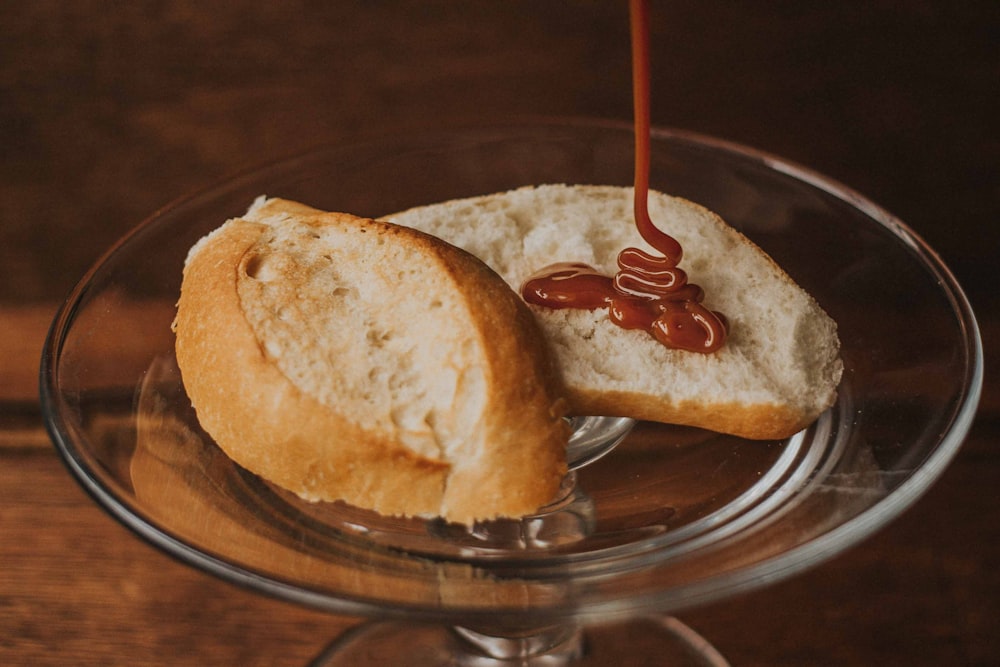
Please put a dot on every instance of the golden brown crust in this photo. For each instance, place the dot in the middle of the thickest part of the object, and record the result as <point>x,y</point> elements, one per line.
<point>267,424</point>
<point>520,374</point>
<point>261,420</point>
<point>778,370</point>
<point>754,421</point>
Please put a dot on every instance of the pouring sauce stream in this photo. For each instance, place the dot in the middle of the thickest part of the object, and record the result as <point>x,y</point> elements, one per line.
<point>649,291</point>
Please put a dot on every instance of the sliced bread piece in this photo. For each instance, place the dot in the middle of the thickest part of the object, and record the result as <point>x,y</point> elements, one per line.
<point>778,370</point>
<point>349,359</point>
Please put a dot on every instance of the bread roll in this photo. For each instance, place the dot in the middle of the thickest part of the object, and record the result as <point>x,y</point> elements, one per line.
<point>778,370</point>
<point>349,359</point>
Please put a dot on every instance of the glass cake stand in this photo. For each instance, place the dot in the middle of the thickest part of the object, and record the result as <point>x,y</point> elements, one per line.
<point>655,518</point>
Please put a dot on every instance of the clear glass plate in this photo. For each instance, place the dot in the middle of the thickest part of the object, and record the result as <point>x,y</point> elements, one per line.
<point>680,516</point>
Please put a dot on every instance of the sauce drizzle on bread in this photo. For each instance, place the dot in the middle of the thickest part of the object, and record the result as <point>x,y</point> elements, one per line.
<point>648,292</point>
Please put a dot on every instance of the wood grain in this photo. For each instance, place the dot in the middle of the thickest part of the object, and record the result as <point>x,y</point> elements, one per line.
<point>108,111</point>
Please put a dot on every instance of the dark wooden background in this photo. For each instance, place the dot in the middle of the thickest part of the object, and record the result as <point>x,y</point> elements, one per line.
<point>109,110</point>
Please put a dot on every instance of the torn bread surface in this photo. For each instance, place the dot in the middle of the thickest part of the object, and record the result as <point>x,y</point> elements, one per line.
<point>349,359</point>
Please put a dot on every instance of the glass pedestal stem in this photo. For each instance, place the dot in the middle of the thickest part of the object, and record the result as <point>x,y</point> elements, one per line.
<point>552,646</point>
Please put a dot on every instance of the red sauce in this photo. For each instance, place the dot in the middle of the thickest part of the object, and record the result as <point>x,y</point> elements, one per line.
<point>649,291</point>
<point>676,318</point>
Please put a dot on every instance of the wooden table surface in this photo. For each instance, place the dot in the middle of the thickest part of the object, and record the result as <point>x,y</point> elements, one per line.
<point>110,110</point>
